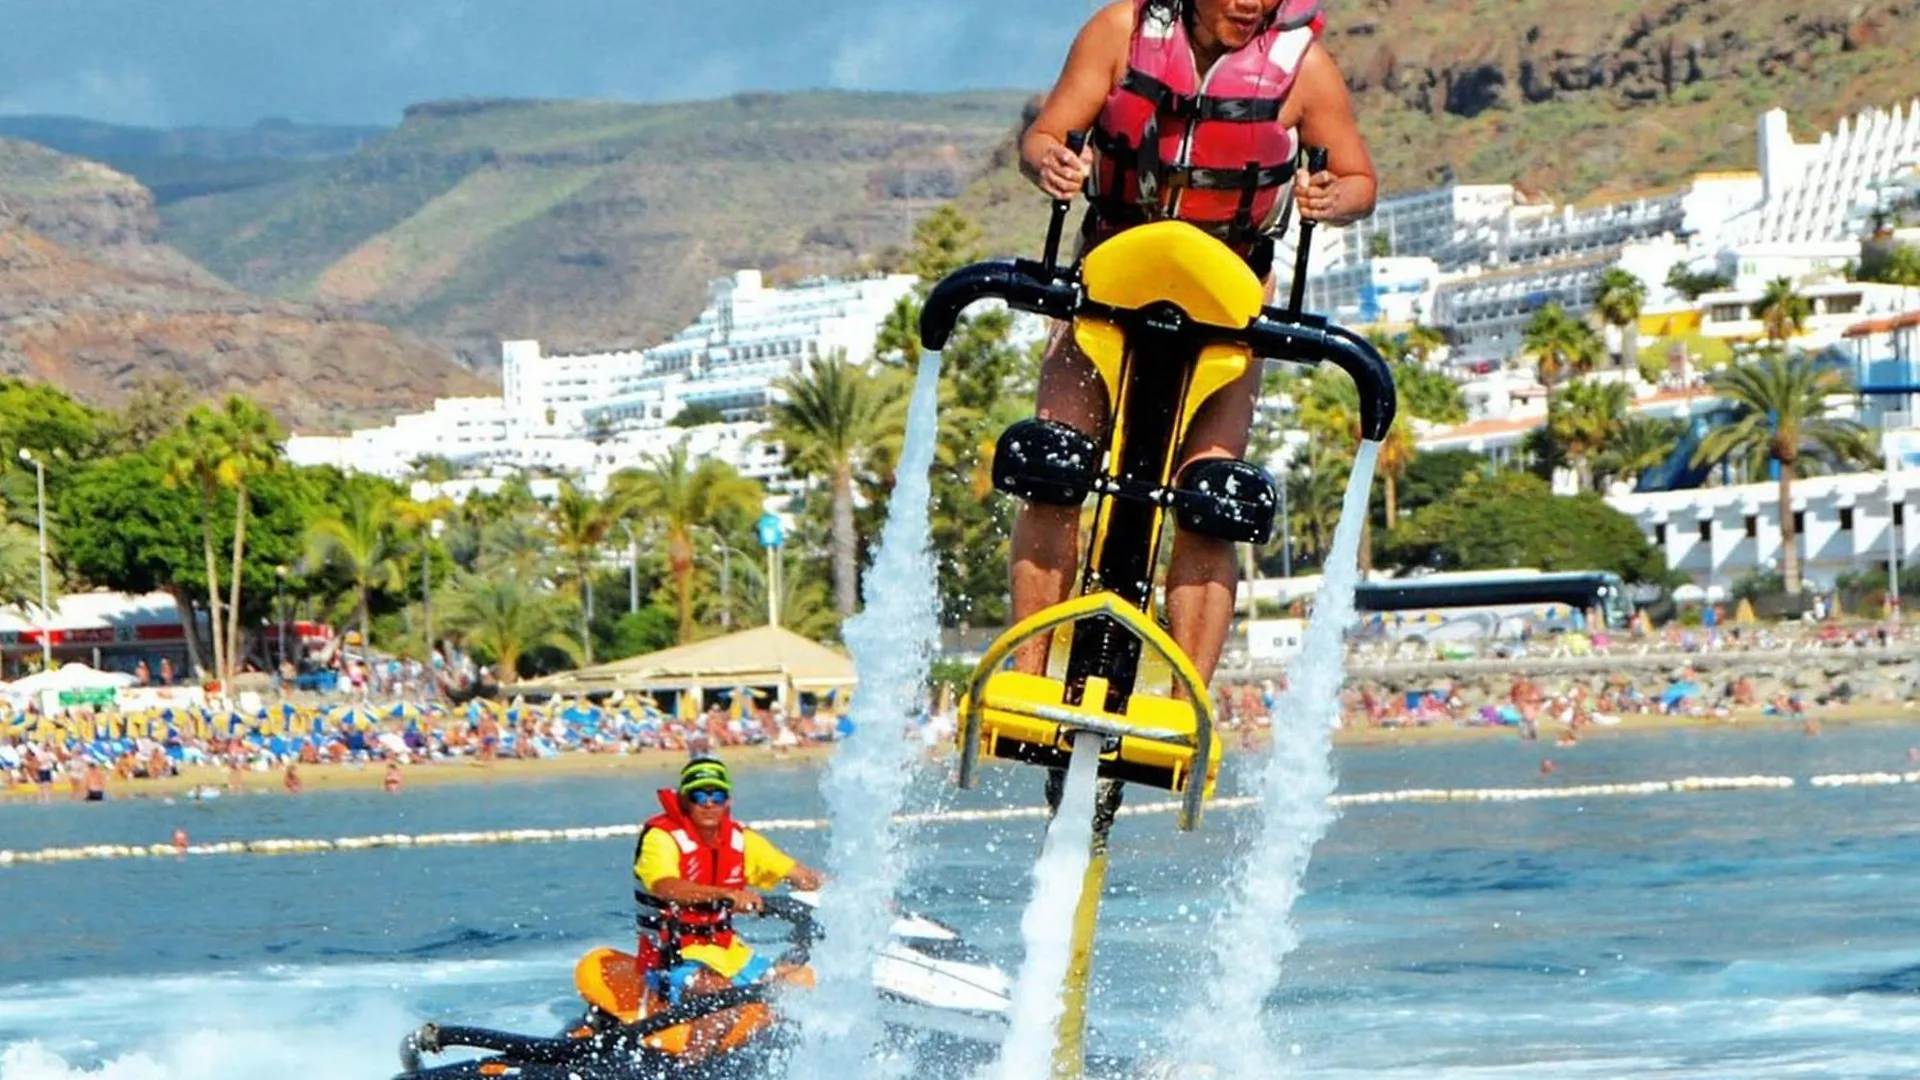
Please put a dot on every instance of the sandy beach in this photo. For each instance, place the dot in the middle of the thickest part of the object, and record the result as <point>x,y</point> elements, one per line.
<point>660,764</point>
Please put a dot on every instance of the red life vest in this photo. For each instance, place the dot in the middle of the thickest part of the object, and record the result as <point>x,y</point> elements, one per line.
<point>701,863</point>
<point>1205,150</point>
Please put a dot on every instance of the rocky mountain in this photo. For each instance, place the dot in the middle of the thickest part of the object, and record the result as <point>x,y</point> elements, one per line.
<point>90,301</point>
<point>592,223</point>
<point>598,224</point>
<point>1577,99</point>
<point>181,163</point>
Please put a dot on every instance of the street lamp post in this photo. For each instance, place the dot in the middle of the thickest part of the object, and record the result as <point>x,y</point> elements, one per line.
<point>280,608</point>
<point>426,586</point>
<point>773,537</point>
<point>726,553</point>
<point>1286,531</point>
<point>633,569</point>
<point>40,484</point>
<point>1895,512</point>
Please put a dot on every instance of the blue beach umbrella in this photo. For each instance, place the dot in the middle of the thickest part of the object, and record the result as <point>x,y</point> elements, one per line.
<point>353,717</point>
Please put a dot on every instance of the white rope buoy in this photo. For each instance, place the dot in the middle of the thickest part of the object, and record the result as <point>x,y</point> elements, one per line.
<point>312,845</point>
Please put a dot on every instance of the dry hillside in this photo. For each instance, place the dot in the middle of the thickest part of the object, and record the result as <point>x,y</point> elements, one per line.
<point>90,301</point>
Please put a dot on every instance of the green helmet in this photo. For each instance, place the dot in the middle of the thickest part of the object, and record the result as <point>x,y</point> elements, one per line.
<point>705,774</point>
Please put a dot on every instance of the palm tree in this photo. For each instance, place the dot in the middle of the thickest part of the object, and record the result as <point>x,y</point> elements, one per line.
<point>417,522</point>
<point>805,607</point>
<point>1426,394</point>
<point>1560,344</point>
<point>518,545</point>
<point>1642,443</point>
<point>580,525</point>
<point>506,615</point>
<point>836,420</point>
<point>250,439</point>
<point>191,458</point>
<point>1332,413</point>
<point>676,499</point>
<point>1783,417</point>
<point>1618,303</point>
<point>1782,310</point>
<point>1584,418</point>
<point>1316,488</point>
<point>360,536</point>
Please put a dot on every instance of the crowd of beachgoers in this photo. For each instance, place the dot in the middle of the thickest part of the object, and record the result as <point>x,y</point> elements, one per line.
<point>82,751</point>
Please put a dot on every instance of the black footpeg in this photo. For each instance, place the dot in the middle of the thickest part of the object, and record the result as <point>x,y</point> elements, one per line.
<point>1228,500</point>
<point>1045,461</point>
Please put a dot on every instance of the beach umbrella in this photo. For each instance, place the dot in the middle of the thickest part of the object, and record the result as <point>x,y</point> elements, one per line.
<point>353,717</point>
<point>405,710</point>
<point>1679,692</point>
<point>582,714</point>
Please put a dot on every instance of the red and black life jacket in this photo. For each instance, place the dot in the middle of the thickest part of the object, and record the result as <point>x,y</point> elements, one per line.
<point>666,928</point>
<point>1208,150</point>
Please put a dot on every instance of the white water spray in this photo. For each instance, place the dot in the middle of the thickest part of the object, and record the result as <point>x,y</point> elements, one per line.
<point>1254,932</point>
<point>892,641</point>
<point>1046,928</point>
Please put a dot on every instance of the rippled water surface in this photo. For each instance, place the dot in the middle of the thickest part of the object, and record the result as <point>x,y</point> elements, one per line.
<point>1762,934</point>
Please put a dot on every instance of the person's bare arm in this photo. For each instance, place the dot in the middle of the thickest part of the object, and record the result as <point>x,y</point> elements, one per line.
<point>1346,190</point>
<point>805,878</point>
<point>1075,102</point>
<point>681,891</point>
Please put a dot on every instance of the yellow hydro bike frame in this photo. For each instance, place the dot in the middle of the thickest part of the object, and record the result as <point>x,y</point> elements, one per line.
<point>1169,316</point>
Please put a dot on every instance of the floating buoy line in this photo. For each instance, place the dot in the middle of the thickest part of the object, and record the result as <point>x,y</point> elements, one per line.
<point>311,845</point>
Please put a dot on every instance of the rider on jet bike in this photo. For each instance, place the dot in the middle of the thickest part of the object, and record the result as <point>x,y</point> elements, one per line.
<point>694,867</point>
<point>1215,151</point>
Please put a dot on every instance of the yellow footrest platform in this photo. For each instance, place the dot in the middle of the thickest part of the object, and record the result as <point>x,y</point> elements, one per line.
<point>1023,718</point>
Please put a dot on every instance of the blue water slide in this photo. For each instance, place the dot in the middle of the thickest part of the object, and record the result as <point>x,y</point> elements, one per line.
<point>1678,472</point>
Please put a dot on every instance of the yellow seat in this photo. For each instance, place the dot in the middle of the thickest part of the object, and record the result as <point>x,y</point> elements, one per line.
<point>1024,718</point>
<point>609,980</point>
<point>1173,261</point>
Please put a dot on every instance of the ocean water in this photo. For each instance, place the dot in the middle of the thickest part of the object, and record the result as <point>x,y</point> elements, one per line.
<point>1740,934</point>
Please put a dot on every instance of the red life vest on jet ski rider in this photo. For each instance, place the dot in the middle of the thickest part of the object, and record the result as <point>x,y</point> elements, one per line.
<point>701,863</point>
<point>1205,150</point>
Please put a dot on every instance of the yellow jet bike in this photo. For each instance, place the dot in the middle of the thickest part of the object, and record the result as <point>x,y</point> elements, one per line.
<point>1169,316</point>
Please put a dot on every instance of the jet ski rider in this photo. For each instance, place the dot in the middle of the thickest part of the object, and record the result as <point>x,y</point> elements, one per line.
<point>1197,110</point>
<point>695,866</point>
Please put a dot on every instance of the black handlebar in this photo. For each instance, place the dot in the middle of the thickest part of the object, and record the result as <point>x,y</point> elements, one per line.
<point>1277,334</point>
<point>1297,293</point>
<point>1076,142</point>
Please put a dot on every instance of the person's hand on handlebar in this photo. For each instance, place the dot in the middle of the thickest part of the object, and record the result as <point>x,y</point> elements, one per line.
<point>1336,200</point>
<point>1060,171</point>
<point>746,901</point>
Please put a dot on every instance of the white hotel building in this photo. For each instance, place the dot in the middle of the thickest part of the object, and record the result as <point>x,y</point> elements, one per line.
<point>1490,258</point>
<point>591,414</point>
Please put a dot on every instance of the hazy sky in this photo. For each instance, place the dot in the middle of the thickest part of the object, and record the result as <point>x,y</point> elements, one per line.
<point>230,62</point>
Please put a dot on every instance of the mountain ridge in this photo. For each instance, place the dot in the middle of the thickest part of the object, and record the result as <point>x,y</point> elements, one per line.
<point>92,302</point>
<point>597,224</point>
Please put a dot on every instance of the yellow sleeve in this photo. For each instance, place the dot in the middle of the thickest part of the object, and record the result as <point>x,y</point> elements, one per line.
<point>659,858</point>
<point>767,865</point>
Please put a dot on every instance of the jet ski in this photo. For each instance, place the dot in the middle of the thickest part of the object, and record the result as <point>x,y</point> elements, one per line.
<point>937,994</point>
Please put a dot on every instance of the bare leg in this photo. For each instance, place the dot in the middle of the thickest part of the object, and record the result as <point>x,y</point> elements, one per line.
<point>1046,539</point>
<point>1201,578</point>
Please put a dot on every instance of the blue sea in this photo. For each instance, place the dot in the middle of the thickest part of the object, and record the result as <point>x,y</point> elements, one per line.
<point>1732,934</point>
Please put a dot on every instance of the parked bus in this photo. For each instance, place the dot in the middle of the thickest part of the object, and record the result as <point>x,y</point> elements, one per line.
<point>1491,604</point>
